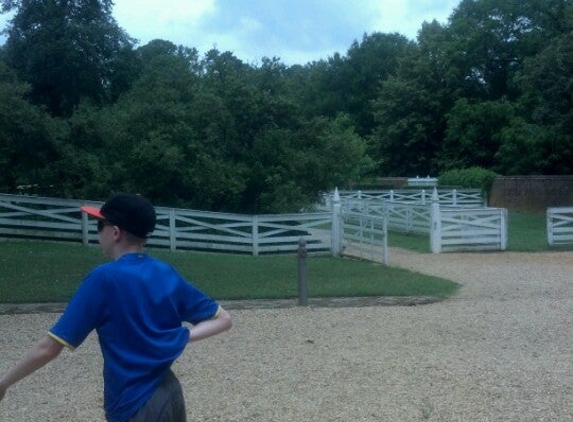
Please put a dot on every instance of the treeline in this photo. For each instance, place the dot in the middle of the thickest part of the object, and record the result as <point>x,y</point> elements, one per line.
<point>85,111</point>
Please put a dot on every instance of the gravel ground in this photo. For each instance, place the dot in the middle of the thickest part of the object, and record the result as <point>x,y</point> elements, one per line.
<point>501,350</point>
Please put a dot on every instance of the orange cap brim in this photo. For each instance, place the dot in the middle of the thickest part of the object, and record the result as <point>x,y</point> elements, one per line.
<point>93,211</point>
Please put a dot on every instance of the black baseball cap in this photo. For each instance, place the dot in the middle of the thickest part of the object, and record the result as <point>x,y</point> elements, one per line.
<point>130,212</point>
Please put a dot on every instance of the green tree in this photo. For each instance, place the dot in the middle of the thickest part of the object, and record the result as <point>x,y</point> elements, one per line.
<point>336,156</point>
<point>453,102</point>
<point>410,108</point>
<point>68,51</point>
<point>368,64</point>
<point>348,84</point>
<point>473,133</point>
<point>319,86</point>
<point>290,167</point>
<point>490,39</point>
<point>522,149</point>
<point>27,137</point>
<point>541,140</point>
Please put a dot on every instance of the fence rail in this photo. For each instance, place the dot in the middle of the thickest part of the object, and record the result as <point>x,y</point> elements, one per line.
<point>408,218</point>
<point>61,219</point>
<point>559,226</point>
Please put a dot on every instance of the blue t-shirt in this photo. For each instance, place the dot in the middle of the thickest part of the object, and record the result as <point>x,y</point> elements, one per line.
<point>137,305</point>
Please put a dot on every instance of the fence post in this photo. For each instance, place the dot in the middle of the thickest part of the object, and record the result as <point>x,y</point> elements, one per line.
<point>455,198</point>
<point>503,229</point>
<point>255,222</point>
<point>302,273</point>
<point>85,228</point>
<point>385,241</point>
<point>435,225</point>
<point>172,230</point>
<point>549,218</point>
<point>336,240</point>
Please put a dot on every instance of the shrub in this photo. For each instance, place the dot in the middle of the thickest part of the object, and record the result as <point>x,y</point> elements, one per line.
<point>470,178</point>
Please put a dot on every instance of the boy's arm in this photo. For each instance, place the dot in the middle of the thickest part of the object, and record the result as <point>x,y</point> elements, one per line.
<point>37,356</point>
<point>216,325</point>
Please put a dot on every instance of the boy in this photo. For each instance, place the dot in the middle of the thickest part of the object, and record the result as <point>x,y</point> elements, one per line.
<point>137,305</point>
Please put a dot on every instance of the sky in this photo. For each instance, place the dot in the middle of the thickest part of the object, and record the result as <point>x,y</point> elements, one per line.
<point>294,31</point>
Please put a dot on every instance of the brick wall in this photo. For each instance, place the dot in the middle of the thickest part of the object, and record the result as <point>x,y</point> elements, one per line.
<point>392,182</point>
<point>532,193</point>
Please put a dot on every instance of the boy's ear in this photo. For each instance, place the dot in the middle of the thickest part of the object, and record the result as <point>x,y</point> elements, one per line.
<point>117,233</point>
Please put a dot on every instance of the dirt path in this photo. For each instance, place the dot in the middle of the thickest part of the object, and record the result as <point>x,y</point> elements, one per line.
<point>501,350</point>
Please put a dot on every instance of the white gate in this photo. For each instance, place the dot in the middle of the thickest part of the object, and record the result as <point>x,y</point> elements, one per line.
<point>364,236</point>
<point>559,226</point>
<point>450,228</point>
<point>408,218</point>
<point>462,229</point>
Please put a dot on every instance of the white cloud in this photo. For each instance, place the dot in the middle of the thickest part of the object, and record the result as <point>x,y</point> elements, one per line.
<point>164,11</point>
<point>251,25</point>
<point>406,17</point>
<point>149,19</point>
<point>296,31</point>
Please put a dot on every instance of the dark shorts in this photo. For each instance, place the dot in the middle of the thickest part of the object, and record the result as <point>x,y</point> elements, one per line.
<point>166,405</point>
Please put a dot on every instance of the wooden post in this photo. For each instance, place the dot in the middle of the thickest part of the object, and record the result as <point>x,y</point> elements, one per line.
<point>172,230</point>
<point>549,227</point>
<point>435,224</point>
<point>503,229</point>
<point>336,240</point>
<point>85,228</point>
<point>255,234</point>
<point>302,273</point>
<point>385,241</point>
<point>409,217</point>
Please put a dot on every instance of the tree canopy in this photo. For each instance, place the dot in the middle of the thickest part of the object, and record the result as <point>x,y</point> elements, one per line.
<point>85,111</point>
<point>66,50</point>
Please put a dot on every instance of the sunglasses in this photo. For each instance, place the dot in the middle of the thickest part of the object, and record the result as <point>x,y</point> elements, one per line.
<point>101,224</point>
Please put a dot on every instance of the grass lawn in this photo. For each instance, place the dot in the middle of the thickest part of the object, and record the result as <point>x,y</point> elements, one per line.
<point>46,272</point>
<point>527,232</point>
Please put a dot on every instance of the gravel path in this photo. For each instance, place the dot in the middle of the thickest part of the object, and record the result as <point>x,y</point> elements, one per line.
<point>501,350</point>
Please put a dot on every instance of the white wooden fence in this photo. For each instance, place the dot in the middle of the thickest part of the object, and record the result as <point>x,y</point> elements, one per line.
<point>467,229</point>
<point>447,197</point>
<point>451,228</point>
<point>61,219</point>
<point>405,217</point>
<point>559,226</point>
<point>408,217</point>
<point>423,181</point>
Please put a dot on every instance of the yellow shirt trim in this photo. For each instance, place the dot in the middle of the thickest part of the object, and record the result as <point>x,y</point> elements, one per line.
<point>61,341</point>
<point>217,313</point>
